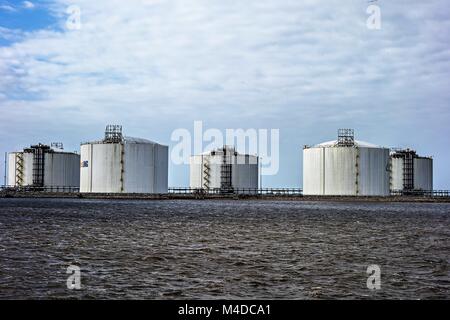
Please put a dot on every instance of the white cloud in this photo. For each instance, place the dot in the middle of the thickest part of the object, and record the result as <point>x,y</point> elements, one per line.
<point>7,7</point>
<point>188,54</point>
<point>205,53</point>
<point>11,34</point>
<point>28,4</point>
<point>11,8</point>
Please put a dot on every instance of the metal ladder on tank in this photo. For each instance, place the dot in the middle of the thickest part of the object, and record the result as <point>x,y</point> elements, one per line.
<point>408,171</point>
<point>225,174</point>
<point>38,167</point>
<point>19,169</point>
<point>206,174</point>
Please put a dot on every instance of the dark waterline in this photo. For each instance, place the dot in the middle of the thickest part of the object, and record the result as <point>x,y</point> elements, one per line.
<point>223,249</point>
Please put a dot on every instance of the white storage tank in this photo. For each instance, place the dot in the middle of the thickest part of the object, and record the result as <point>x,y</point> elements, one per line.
<point>346,167</point>
<point>119,164</point>
<point>224,169</point>
<point>44,167</point>
<point>410,172</point>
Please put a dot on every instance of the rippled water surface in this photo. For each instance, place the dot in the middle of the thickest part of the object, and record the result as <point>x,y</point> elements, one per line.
<point>222,249</point>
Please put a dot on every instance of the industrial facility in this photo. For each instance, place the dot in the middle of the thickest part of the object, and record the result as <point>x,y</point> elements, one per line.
<point>124,165</point>
<point>224,169</point>
<point>119,164</point>
<point>410,172</point>
<point>43,167</point>
<point>346,167</point>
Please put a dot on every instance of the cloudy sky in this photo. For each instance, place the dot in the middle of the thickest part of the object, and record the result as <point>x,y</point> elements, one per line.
<point>305,67</point>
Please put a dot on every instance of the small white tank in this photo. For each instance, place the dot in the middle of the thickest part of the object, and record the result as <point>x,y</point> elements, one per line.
<point>411,172</point>
<point>224,169</point>
<point>42,166</point>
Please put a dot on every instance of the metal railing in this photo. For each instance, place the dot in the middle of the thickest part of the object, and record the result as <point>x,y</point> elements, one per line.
<point>50,189</point>
<point>243,191</point>
<point>219,191</point>
<point>296,192</point>
<point>422,193</point>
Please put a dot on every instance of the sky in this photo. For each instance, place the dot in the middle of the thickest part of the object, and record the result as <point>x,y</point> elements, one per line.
<point>305,67</point>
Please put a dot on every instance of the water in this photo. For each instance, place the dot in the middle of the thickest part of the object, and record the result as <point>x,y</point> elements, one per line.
<point>222,249</point>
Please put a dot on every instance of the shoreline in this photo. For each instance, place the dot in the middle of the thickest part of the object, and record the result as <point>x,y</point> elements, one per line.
<point>218,197</point>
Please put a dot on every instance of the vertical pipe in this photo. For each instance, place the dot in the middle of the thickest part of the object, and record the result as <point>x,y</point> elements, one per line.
<point>357,176</point>
<point>91,166</point>
<point>4,181</point>
<point>202,183</point>
<point>323,171</point>
<point>15,169</point>
<point>260,173</point>
<point>122,166</point>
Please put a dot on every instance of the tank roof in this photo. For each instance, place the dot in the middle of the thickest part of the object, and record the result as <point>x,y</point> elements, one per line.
<point>220,151</point>
<point>358,143</point>
<point>46,148</point>
<point>125,139</point>
<point>398,153</point>
<point>138,140</point>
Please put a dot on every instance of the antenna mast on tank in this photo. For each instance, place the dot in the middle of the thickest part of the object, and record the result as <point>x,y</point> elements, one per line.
<point>346,137</point>
<point>113,133</point>
<point>57,145</point>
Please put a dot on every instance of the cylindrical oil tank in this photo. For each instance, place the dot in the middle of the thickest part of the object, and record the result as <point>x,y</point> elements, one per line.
<point>360,169</point>
<point>410,172</point>
<point>44,167</point>
<point>224,169</point>
<point>131,165</point>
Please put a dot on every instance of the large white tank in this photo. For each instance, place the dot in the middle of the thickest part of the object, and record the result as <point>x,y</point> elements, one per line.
<point>48,168</point>
<point>224,169</point>
<point>124,165</point>
<point>410,171</point>
<point>346,167</point>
